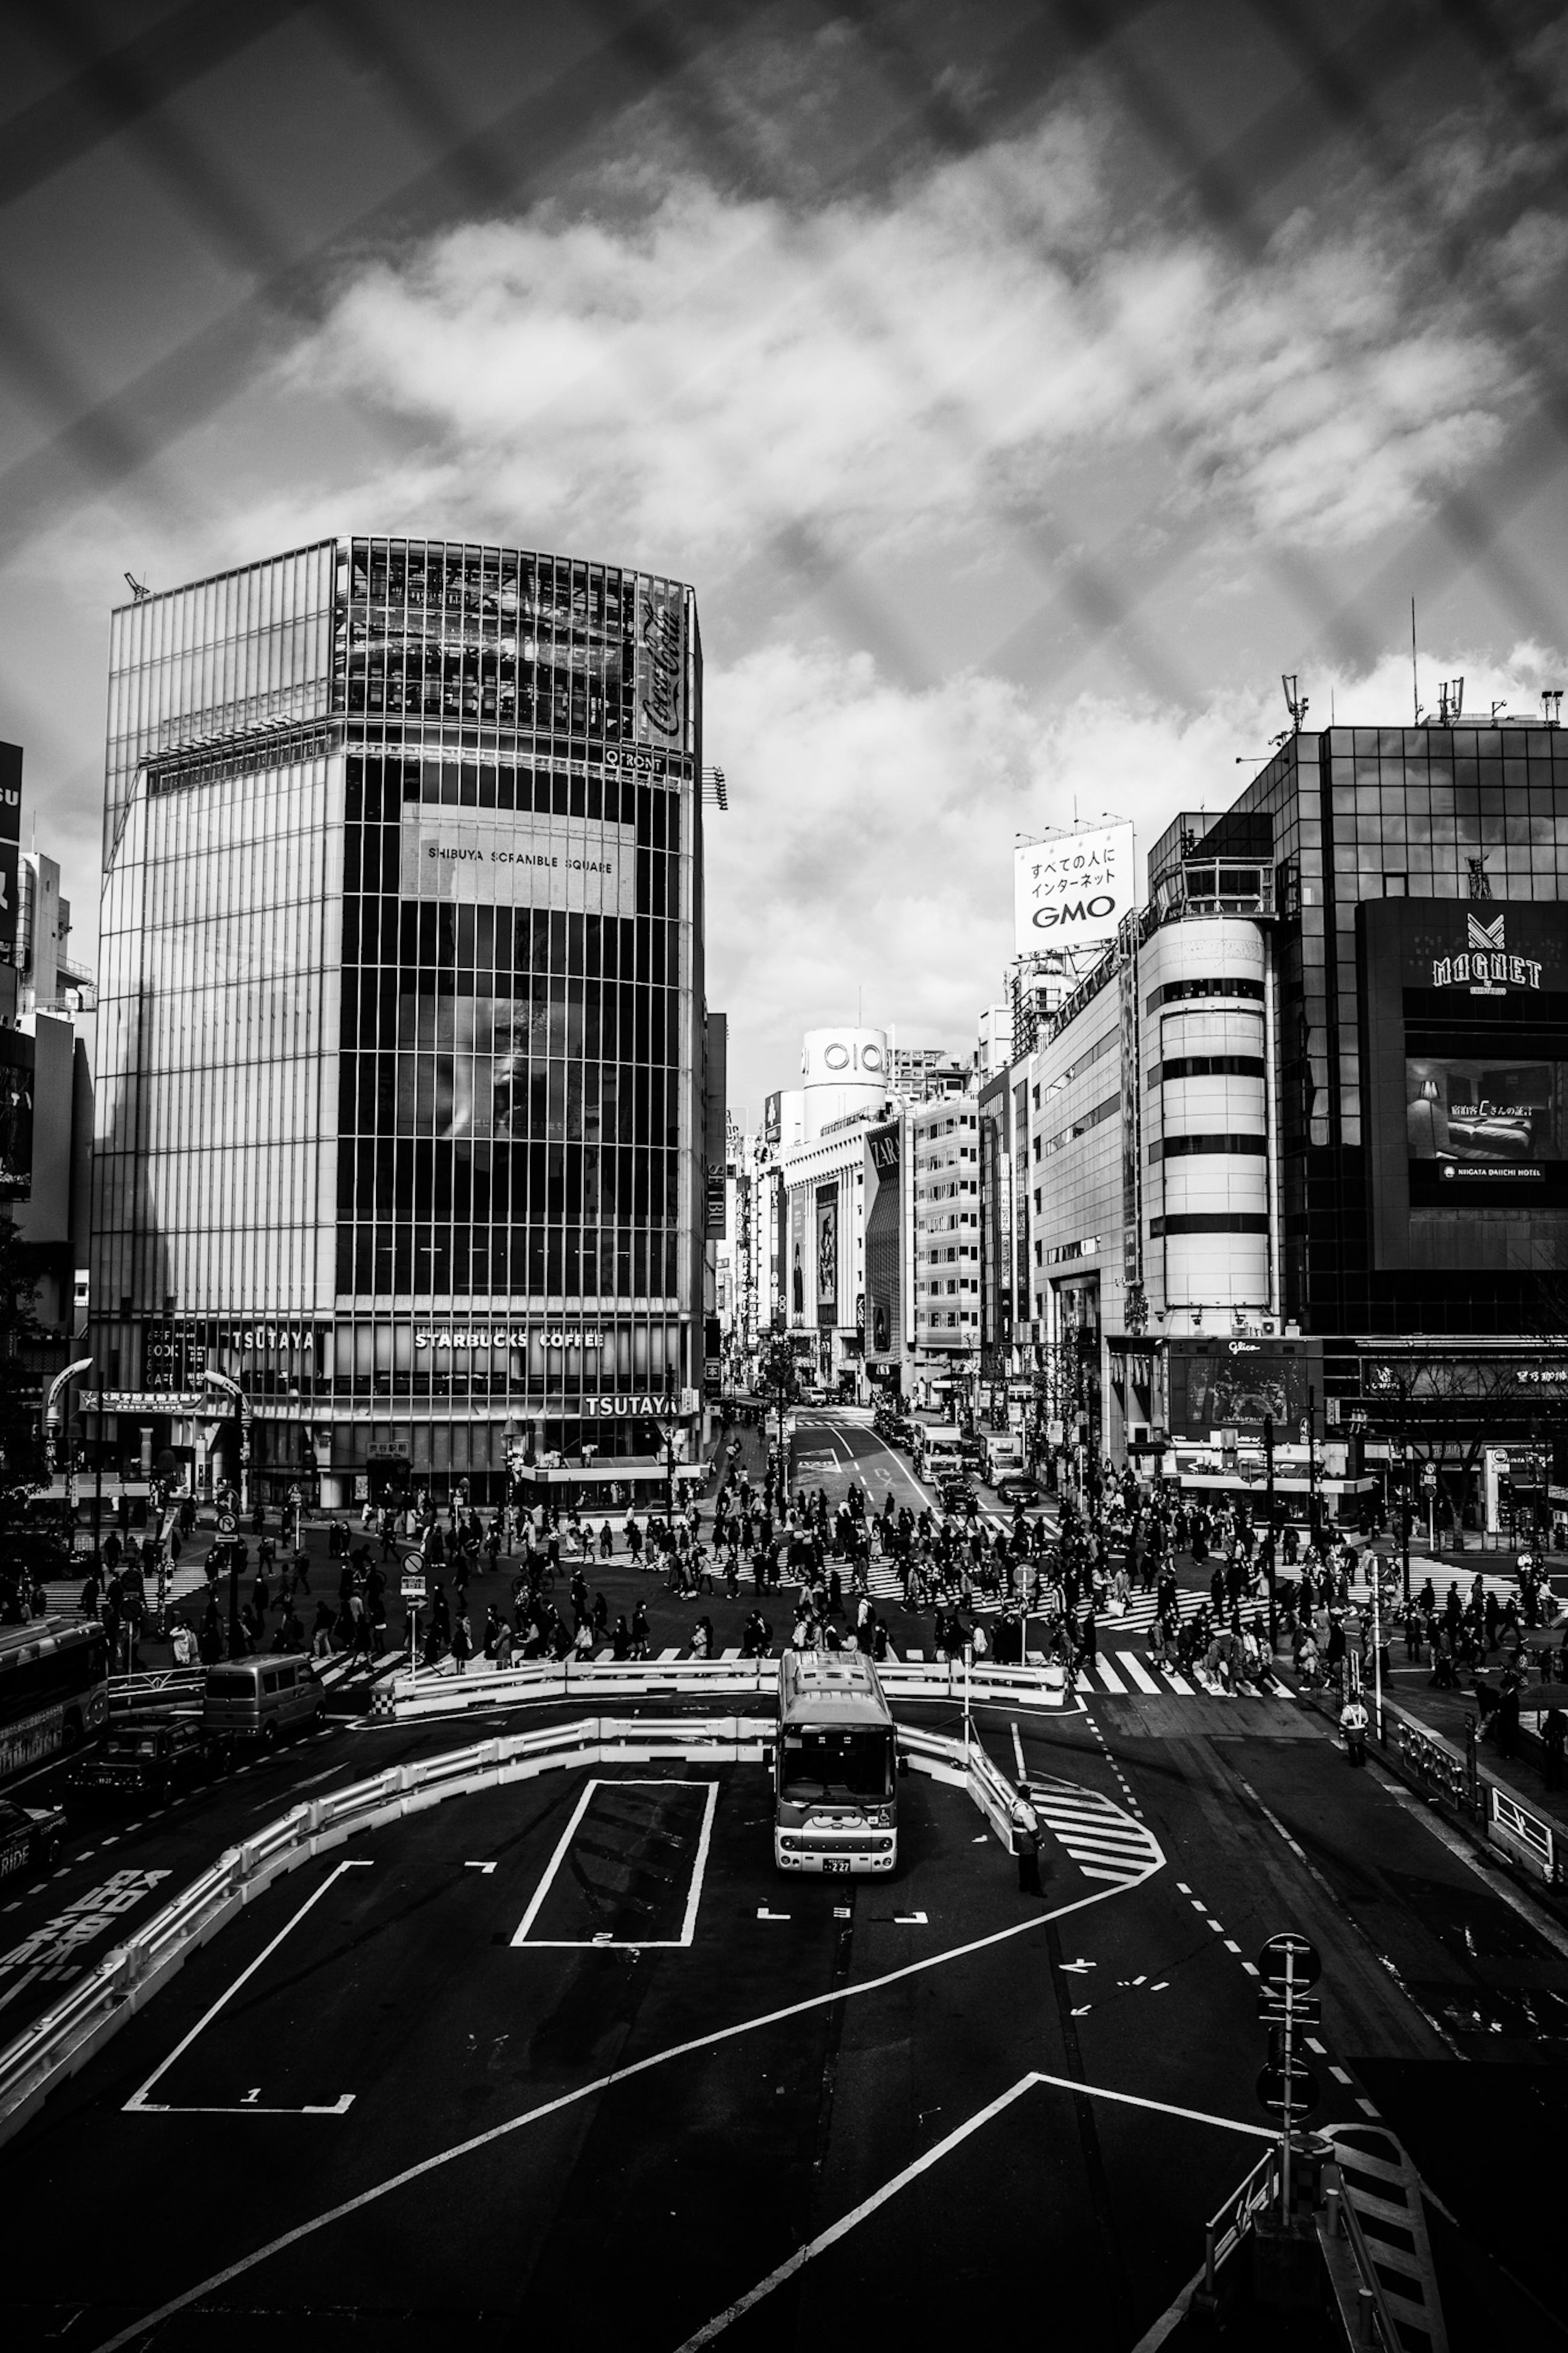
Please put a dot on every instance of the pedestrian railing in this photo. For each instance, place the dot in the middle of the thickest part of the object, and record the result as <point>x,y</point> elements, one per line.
<point>1433,1761</point>
<point>170,1686</point>
<point>536,1680</point>
<point>1256,2195</point>
<point>1524,1835</point>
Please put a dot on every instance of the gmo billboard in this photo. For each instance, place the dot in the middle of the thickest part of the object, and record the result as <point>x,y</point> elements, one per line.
<point>1072,891</point>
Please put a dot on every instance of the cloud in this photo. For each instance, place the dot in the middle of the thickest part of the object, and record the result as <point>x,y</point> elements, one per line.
<point>866,862</point>
<point>868,856</point>
<point>688,372</point>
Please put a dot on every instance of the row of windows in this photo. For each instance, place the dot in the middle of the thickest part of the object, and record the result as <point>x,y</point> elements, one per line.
<point>1174,1147</point>
<point>1045,1146</point>
<point>426,1182</point>
<point>1205,1066</point>
<point>1176,991</point>
<point>564,1261</point>
<point>1209,1221</point>
<point>613,1022</point>
<point>500,1098</point>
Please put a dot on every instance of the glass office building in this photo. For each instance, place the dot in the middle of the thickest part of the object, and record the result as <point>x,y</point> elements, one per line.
<point>400,1111</point>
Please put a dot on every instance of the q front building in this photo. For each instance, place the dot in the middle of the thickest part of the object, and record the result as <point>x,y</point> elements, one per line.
<point>399,1163</point>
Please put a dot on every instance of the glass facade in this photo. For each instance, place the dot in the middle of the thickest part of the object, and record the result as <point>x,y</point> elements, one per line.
<point>400,1111</point>
<point>1349,815</point>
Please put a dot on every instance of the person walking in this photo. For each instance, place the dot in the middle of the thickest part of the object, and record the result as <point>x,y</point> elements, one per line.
<point>1025,1825</point>
<point>1354,1724</point>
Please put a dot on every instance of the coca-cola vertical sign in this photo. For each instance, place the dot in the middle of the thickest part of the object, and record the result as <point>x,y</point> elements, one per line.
<point>661,663</point>
<point>10,848</point>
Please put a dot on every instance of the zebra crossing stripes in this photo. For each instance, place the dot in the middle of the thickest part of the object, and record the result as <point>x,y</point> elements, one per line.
<point>1149,1678</point>
<point>1102,1840</point>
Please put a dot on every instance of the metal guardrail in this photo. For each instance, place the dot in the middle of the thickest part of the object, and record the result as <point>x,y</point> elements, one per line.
<point>1237,2216</point>
<point>66,2036</point>
<point>1524,1835</point>
<point>410,1696</point>
<point>1449,1774</point>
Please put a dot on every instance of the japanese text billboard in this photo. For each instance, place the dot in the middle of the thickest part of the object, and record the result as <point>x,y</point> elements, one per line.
<point>1073,891</point>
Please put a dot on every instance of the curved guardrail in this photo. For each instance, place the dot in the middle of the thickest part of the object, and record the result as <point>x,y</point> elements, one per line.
<point>408,1697</point>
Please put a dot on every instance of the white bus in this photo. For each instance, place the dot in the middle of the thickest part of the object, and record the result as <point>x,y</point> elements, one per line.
<point>835,1765</point>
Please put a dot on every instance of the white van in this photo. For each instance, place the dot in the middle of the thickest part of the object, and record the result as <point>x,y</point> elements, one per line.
<point>937,1448</point>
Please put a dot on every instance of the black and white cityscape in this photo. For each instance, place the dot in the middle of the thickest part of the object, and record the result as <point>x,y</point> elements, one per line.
<point>783,1176</point>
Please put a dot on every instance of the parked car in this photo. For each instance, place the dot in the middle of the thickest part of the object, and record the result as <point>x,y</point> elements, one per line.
<point>30,1838</point>
<point>143,1760</point>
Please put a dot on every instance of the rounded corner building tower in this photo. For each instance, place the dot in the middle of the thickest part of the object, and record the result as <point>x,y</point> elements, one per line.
<point>399,1163</point>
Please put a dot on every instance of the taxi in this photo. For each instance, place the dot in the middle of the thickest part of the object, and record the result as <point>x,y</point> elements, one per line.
<point>30,1838</point>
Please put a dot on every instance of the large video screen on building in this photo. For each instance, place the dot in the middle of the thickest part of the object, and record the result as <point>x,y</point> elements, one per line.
<point>1232,1384</point>
<point>1464,1091</point>
<point>1490,1113</point>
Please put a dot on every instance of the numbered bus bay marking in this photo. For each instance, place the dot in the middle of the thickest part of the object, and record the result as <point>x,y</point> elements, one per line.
<point>250,2102</point>
<point>627,1870</point>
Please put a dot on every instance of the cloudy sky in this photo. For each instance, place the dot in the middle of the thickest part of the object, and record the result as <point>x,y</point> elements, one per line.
<point>1022,389</point>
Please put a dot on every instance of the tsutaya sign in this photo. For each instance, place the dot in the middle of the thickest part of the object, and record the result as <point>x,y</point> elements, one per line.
<point>1484,968</point>
<point>633,1409</point>
<point>1073,891</point>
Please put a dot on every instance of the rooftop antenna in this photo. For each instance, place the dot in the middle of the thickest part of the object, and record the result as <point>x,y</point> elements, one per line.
<point>1415,680</point>
<point>1497,707</point>
<point>1551,705</point>
<point>138,589</point>
<point>1450,700</point>
<point>1294,701</point>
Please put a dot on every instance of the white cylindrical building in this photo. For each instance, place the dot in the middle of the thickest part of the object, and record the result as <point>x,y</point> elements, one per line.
<point>842,1070</point>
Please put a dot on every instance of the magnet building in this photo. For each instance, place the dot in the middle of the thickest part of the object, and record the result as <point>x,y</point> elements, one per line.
<point>400,1118</point>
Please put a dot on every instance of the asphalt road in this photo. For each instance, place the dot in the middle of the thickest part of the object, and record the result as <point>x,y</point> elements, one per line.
<point>571,2056</point>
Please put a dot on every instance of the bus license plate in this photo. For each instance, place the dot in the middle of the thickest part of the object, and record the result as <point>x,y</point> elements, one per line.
<point>833,1862</point>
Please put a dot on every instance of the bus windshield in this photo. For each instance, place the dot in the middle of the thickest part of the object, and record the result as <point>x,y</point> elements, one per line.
<point>841,1767</point>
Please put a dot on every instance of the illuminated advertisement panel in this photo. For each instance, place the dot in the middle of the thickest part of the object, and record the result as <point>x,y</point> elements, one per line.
<point>884,1322</point>
<point>1232,1384</point>
<point>827,1208</point>
<point>1464,1076</point>
<point>797,1273</point>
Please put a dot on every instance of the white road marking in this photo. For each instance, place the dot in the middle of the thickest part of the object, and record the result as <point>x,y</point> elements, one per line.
<point>846,2222</point>
<point>1339,2074</point>
<point>494,2133</point>
<point>1129,1663</point>
<point>623,1943</point>
<point>1313,2044</point>
<point>486,1867</point>
<point>140,2104</point>
<point>764,1913</point>
<point>910,1920</point>
<point>1109,1677</point>
<point>1019,1754</point>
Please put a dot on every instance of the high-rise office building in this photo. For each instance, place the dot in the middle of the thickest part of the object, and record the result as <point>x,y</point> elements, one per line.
<point>401,1040</point>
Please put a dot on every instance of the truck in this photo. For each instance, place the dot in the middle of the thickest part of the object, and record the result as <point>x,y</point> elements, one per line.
<point>939,1449</point>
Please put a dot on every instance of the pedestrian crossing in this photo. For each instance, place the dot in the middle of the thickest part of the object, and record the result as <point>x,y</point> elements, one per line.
<point>1123,1674</point>
<point>882,1583</point>
<point>1102,1840</point>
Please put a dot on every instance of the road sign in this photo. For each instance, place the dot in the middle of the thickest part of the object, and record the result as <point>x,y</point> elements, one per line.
<point>1429,1475</point>
<point>413,1587</point>
<point>1289,1960</point>
<point>226,1523</point>
<point>1281,2006</point>
<point>1296,2094</point>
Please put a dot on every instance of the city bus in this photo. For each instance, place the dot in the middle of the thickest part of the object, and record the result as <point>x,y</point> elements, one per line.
<point>835,1765</point>
<point>54,1690</point>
